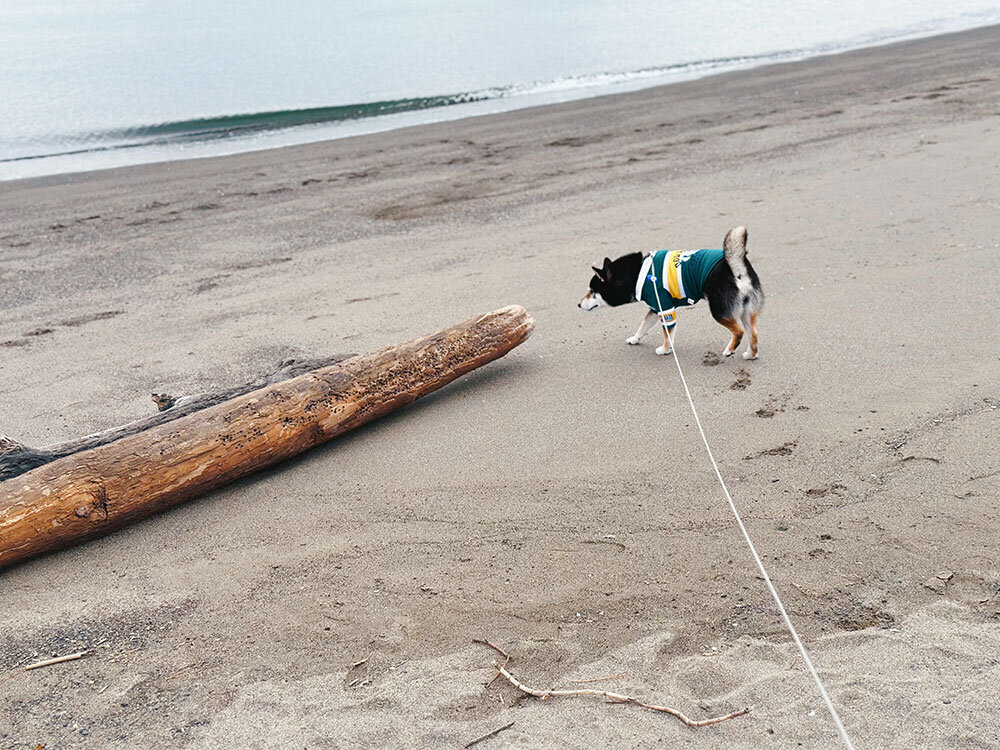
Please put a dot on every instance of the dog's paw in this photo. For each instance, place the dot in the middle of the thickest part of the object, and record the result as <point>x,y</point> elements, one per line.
<point>662,350</point>
<point>633,340</point>
<point>748,355</point>
<point>728,353</point>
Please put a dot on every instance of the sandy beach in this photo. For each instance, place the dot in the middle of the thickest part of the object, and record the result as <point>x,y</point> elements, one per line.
<point>558,502</point>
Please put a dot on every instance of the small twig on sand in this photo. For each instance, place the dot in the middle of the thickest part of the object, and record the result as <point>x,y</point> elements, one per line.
<point>359,662</point>
<point>795,658</point>
<point>180,671</point>
<point>617,698</point>
<point>486,736</point>
<point>57,660</point>
<point>598,679</point>
<point>496,648</point>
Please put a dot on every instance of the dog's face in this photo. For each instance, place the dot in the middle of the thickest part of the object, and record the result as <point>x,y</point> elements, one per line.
<point>613,284</point>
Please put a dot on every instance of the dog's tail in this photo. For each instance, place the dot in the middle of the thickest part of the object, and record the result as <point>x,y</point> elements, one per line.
<point>735,249</point>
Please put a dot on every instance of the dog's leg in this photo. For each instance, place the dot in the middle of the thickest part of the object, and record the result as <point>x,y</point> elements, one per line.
<point>665,349</point>
<point>751,352</point>
<point>644,327</point>
<point>737,330</point>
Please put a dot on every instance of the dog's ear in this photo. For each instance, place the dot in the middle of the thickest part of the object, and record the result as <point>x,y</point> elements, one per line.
<point>607,268</point>
<point>599,272</point>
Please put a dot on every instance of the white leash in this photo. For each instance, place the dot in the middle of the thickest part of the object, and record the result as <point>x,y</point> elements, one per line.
<point>746,535</point>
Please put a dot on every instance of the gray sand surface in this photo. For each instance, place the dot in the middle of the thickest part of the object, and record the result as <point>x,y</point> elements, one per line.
<point>558,502</point>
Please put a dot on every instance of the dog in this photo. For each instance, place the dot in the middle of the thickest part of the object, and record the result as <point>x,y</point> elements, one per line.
<point>666,280</point>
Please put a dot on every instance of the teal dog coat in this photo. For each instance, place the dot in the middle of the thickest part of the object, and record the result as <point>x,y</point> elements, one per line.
<point>680,284</point>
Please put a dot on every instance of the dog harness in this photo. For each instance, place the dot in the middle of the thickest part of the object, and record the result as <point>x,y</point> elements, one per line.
<point>681,277</point>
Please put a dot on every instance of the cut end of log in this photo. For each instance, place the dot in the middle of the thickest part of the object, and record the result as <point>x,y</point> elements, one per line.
<point>514,319</point>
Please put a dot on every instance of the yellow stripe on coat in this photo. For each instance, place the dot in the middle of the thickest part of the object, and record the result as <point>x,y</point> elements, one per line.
<point>674,282</point>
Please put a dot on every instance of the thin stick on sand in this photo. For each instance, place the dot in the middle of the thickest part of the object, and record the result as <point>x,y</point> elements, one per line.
<point>496,648</point>
<point>617,698</point>
<point>486,736</point>
<point>56,660</point>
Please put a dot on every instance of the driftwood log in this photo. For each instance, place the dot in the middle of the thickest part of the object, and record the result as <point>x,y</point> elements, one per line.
<point>65,494</point>
<point>16,458</point>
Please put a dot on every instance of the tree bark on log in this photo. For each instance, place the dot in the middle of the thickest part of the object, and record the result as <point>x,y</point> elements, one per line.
<point>15,458</point>
<point>98,489</point>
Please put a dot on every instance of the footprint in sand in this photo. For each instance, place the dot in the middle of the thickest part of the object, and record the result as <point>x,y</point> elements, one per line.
<point>773,405</point>
<point>742,381</point>
<point>785,449</point>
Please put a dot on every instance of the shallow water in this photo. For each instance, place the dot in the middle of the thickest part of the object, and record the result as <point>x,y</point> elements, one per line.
<point>88,84</point>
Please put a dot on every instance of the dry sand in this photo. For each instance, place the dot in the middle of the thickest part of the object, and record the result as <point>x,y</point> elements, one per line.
<point>557,502</point>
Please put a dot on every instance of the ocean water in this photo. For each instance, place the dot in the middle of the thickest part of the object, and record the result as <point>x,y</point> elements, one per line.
<point>88,84</point>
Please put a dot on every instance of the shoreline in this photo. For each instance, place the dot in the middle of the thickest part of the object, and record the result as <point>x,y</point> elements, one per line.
<point>791,57</point>
<point>556,502</point>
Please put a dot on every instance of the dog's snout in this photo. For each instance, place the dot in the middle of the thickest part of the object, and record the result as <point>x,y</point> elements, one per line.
<point>590,301</point>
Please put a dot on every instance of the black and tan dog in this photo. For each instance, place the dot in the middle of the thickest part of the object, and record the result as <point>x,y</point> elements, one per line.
<point>666,280</point>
